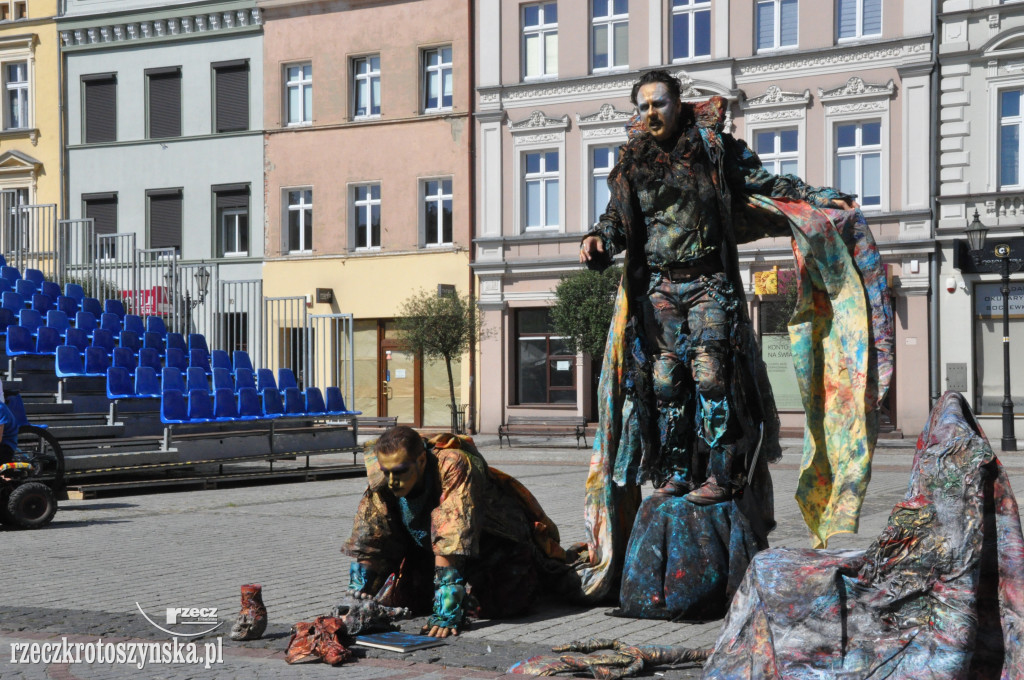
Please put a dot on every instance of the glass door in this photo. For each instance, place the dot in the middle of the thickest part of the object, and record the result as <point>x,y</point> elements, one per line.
<point>399,385</point>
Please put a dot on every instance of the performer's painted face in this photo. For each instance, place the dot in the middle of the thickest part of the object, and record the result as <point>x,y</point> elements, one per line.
<point>401,471</point>
<point>659,110</point>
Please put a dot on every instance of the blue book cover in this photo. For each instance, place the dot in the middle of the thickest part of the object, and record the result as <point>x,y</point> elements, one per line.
<point>398,641</point>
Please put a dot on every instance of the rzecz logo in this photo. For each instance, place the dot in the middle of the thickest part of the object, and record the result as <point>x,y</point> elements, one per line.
<point>189,617</point>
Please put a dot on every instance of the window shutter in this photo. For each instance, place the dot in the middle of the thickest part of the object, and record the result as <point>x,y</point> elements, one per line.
<point>100,109</point>
<point>232,84</point>
<point>102,208</point>
<point>238,198</point>
<point>165,219</point>
<point>164,103</point>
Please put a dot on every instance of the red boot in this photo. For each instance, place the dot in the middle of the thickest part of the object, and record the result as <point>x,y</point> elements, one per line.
<point>252,620</point>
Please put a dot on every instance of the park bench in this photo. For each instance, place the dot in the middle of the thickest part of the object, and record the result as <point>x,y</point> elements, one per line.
<point>543,426</point>
<point>375,424</point>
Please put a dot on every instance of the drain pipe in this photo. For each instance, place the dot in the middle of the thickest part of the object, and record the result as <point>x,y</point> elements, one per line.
<point>471,142</point>
<point>935,258</point>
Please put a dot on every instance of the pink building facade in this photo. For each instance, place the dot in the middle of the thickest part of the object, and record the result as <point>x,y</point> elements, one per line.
<point>839,92</point>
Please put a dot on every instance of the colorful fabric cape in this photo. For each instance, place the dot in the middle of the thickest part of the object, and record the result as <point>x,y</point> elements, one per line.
<point>940,593</point>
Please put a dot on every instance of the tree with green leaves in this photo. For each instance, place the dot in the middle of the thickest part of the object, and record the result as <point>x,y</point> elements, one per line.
<point>584,305</point>
<point>440,326</point>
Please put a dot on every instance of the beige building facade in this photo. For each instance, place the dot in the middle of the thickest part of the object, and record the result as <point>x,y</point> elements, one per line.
<point>838,92</point>
<point>368,182</point>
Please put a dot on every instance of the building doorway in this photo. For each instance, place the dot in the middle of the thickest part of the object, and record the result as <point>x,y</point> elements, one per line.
<point>400,385</point>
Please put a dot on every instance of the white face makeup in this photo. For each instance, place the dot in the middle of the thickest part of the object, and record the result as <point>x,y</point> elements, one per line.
<point>659,110</point>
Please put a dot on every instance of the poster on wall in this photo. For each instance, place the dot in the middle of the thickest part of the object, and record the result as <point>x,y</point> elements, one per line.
<point>778,358</point>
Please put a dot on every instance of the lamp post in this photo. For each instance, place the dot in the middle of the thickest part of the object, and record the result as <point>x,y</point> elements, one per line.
<point>202,277</point>
<point>976,233</point>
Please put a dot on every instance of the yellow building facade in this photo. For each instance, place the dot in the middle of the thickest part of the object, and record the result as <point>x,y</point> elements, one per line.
<point>30,129</point>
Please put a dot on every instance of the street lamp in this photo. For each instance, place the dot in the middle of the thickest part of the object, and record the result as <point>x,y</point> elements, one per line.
<point>976,233</point>
<point>202,277</point>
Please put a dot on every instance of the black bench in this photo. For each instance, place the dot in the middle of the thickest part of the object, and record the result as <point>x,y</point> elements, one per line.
<point>544,425</point>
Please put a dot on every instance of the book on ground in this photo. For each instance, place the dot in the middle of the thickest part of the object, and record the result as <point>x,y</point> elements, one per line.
<point>397,641</point>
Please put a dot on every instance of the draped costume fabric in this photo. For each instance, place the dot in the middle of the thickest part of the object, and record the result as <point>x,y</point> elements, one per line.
<point>940,593</point>
<point>468,509</point>
<point>843,307</point>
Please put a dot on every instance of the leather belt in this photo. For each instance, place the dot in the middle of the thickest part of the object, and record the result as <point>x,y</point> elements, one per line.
<point>691,271</point>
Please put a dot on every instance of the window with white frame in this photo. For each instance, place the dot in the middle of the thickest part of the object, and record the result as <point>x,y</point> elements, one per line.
<point>366,220</point>
<point>776,24</point>
<point>859,18</point>
<point>602,160</point>
<point>859,161</point>
<point>691,29</point>
<point>540,189</point>
<point>366,71</point>
<point>300,220</point>
<point>299,93</point>
<point>437,212</point>
<point>779,150</point>
<point>16,84</point>
<point>540,40</point>
<point>1010,121</point>
<point>232,212</point>
<point>609,35</point>
<point>437,79</point>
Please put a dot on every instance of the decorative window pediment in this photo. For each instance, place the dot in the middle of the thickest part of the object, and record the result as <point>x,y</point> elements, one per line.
<point>856,88</point>
<point>539,121</point>
<point>777,105</point>
<point>606,122</point>
<point>16,162</point>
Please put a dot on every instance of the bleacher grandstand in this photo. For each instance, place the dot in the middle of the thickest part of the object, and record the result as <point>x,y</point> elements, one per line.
<point>137,395</point>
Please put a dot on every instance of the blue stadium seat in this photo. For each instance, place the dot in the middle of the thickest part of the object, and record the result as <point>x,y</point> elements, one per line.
<point>196,380</point>
<point>97,361</point>
<point>119,383</point>
<point>286,379</point>
<point>68,305</point>
<point>103,339</point>
<point>41,303</point>
<point>69,362</point>
<point>149,357</point>
<point>110,322</point>
<point>30,319</point>
<point>265,380</point>
<point>155,324</point>
<point>77,338</point>
<point>294,404</point>
<point>112,306</point>
<point>244,377</point>
<point>35,276</point>
<point>123,358</point>
<point>85,321</point>
<point>176,341</point>
<point>222,380</point>
<point>58,320</point>
<point>200,408</point>
<point>273,406</point>
<point>315,401</point>
<point>47,340</point>
<point>199,359</point>
<point>153,341</point>
<point>146,382</point>
<point>173,408</point>
<point>7,318</point>
<point>133,323</point>
<point>3,261</point>
<point>50,288</point>
<point>129,339</point>
<point>170,379</point>
<point>75,290</point>
<point>5,285</point>
<point>249,404</point>
<point>335,401</point>
<point>12,301</point>
<point>10,273</point>
<point>225,408</point>
<point>25,288</point>
<point>20,341</point>
<point>93,306</point>
<point>197,341</point>
<point>176,358</point>
<point>241,360</point>
<point>220,359</point>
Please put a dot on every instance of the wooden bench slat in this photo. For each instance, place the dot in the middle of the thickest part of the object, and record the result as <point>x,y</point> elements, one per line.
<point>543,425</point>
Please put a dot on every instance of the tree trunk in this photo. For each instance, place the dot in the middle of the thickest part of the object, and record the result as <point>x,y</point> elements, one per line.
<point>451,384</point>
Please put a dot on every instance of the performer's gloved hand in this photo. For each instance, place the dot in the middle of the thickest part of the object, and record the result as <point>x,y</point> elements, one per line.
<point>449,603</point>
<point>361,580</point>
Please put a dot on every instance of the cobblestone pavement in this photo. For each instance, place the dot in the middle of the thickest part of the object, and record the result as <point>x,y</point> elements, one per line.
<point>88,574</point>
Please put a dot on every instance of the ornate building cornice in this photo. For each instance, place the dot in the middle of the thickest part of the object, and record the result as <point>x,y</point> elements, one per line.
<point>606,115</point>
<point>835,60</point>
<point>856,88</point>
<point>775,97</point>
<point>164,28</point>
<point>538,121</point>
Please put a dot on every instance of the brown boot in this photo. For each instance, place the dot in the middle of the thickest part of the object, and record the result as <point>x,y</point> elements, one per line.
<point>252,620</point>
<point>329,646</point>
<point>302,646</point>
<point>709,493</point>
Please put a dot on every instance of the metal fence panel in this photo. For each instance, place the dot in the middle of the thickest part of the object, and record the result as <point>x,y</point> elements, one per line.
<point>332,363</point>
<point>286,340</point>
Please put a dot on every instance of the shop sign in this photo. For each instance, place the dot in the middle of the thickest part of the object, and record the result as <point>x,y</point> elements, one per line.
<point>988,300</point>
